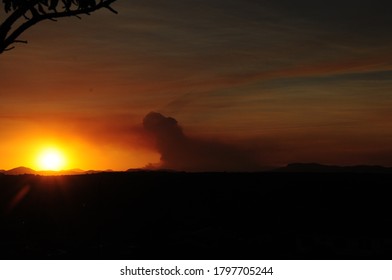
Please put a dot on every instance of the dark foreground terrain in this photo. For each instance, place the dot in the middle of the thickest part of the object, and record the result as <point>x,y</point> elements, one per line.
<point>167,215</point>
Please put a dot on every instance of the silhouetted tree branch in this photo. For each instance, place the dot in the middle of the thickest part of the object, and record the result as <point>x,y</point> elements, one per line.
<point>23,14</point>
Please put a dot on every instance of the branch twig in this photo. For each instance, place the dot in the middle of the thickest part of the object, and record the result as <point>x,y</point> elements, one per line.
<point>111,9</point>
<point>8,38</point>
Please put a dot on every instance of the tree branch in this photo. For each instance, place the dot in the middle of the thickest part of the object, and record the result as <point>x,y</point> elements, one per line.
<point>20,41</point>
<point>111,9</point>
<point>8,39</point>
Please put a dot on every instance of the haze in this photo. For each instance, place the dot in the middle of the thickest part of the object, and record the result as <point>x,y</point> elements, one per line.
<point>264,83</point>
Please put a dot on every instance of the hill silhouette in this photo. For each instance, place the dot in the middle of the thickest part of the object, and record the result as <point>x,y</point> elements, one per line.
<point>21,170</point>
<point>320,168</point>
<point>290,168</point>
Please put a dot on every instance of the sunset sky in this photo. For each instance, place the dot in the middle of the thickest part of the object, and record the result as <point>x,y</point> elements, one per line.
<point>239,84</point>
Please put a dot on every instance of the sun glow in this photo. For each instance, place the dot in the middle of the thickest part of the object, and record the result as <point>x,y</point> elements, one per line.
<point>51,159</point>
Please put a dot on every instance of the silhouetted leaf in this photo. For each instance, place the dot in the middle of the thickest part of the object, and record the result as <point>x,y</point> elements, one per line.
<point>53,4</point>
<point>41,9</point>
<point>7,5</point>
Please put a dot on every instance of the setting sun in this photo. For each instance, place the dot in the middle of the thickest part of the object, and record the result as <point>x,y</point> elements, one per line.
<point>51,159</point>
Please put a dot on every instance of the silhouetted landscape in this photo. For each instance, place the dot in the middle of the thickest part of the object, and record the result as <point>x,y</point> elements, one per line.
<point>302,211</point>
<point>25,170</point>
<point>233,91</point>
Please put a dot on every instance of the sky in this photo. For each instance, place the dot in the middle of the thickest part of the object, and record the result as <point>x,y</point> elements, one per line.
<point>232,85</point>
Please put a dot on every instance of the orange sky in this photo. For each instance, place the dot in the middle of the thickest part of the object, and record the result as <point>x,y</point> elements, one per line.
<point>293,84</point>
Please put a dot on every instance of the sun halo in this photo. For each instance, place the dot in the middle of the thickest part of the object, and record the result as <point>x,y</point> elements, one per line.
<point>51,159</point>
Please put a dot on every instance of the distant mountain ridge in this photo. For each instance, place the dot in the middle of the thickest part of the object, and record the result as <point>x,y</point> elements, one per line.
<point>290,168</point>
<point>320,168</point>
<point>21,170</point>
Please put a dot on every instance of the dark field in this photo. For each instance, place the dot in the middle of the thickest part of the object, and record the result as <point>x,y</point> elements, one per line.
<point>168,215</point>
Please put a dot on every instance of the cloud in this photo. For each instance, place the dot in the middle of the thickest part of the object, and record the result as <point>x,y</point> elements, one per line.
<point>180,152</point>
